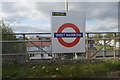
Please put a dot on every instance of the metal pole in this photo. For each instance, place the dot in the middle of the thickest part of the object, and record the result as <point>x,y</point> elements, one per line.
<point>66,5</point>
<point>76,57</point>
<point>20,50</point>
<point>115,46</point>
<point>119,17</point>
<point>104,47</point>
<point>20,45</point>
<point>23,36</point>
<point>24,47</point>
<point>87,45</point>
<point>118,52</point>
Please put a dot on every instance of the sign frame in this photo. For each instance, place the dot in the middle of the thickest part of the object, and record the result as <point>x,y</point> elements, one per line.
<point>58,23</point>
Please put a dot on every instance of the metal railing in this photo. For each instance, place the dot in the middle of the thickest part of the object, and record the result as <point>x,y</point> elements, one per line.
<point>92,48</point>
<point>105,42</point>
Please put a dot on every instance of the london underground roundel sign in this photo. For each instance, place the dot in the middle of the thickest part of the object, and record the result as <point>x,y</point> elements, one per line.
<point>68,31</point>
<point>59,35</point>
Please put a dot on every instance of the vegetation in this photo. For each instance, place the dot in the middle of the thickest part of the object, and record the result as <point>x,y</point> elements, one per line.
<point>108,47</point>
<point>55,70</point>
<point>109,35</point>
<point>31,38</point>
<point>8,47</point>
<point>98,36</point>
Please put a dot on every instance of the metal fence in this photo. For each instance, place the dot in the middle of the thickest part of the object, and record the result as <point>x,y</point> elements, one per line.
<point>25,46</point>
<point>109,46</point>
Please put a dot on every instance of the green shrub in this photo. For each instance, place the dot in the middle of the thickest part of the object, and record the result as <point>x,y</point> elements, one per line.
<point>78,70</point>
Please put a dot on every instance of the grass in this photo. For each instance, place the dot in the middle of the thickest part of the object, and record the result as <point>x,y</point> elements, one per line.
<point>54,70</point>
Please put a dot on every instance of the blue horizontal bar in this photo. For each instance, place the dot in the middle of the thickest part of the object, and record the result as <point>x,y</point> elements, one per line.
<point>67,35</point>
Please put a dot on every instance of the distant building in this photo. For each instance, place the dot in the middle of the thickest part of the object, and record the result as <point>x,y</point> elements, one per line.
<point>111,43</point>
<point>38,48</point>
<point>118,44</point>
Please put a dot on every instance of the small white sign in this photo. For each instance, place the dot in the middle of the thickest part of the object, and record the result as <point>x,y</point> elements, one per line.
<point>68,32</point>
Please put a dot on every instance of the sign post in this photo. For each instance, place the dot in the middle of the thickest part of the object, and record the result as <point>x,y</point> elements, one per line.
<point>68,32</point>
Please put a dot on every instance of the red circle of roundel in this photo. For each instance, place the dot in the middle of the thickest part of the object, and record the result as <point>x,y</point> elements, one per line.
<point>66,25</point>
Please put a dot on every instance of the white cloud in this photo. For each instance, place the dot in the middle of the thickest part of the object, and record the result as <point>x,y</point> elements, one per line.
<point>109,25</point>
<point>97,10</point>
<point>105,15</point>
<point>60,0</point>
<point>22,11</point>
<point>12,12</point>
<point>29,28</point>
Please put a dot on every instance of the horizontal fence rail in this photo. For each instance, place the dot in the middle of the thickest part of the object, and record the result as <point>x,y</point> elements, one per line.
<point>50,40</point>
<point>93,48</point>
<point>26,41</point>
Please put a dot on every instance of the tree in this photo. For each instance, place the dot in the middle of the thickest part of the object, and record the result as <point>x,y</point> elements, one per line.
<point>5,31</point>
<point>98,35</point>
<point>7,35</point>
<point>109,35</point>
<point>32,38</point>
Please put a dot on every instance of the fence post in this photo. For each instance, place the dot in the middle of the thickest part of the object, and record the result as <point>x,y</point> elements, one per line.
<point>20,45</point>
<point>23,36</point>
<point>104,47</point>
<point>87,45</point>
<point>76,57</point>
<point>23,46</point>
<point>115,45</point>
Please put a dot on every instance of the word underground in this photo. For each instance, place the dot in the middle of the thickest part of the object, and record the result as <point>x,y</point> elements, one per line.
<point>66,35</point>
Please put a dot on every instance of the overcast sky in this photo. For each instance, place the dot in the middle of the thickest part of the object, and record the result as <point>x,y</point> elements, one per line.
<point>35,16</point>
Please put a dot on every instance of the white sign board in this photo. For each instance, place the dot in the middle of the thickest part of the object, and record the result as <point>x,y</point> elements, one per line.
<point>68,32</point>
